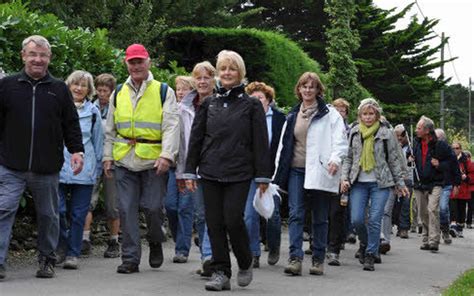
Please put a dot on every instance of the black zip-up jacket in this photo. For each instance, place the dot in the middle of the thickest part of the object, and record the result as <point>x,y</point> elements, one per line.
<point>36,121</point>
<point>229,139</point>
<point>430,176</point>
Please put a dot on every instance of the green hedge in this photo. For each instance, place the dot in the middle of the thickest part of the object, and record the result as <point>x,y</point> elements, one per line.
<point>269,57</point>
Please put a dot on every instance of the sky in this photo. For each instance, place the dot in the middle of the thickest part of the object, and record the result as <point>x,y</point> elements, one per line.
<point>456,20</point>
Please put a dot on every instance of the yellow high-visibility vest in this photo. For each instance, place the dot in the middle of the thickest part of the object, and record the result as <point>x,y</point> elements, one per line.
<point>139,127</point>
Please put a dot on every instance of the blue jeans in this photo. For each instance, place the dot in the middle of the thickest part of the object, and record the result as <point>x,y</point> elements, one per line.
<point>73,208</point>
<point>252,221</point>
<point>200,222</point>
<point>179,209</point>
<point>44,188</point>
<point>444,206</point>
<point>318,202</point>
<point>361,194</point>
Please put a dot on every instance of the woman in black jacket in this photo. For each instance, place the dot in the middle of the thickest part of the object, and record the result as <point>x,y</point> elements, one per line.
<point>226,147</point>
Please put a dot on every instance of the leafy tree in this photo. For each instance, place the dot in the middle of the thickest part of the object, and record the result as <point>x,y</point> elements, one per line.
<point>342,40</point>
<point>302,21</point>
<point>394,64</point>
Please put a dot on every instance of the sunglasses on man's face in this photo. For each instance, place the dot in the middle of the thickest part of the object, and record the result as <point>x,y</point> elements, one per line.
<point>456,148</point>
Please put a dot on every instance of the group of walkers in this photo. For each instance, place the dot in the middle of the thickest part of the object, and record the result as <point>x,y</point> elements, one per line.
<point>201,155</point>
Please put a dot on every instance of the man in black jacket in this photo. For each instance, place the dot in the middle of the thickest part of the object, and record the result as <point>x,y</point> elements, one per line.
<point>432,159</point>
<point>37,117</point>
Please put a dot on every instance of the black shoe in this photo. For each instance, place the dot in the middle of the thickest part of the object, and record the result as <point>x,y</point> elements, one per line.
<point>113,249</point>
<point>377,259</point>
<point>127,268</point>
<point>384,248</point>
<point>196,241</point>
<point>3,272</point>
<point>425,247</point>
<point>420,229</point>
<point>46,269</point>
<point>206,268</point>
<point>351,238</point>
<point>86,247</point>
<point>273,256</point>
<point>361,253</point>
<point>156,255</point>
<point>433,248</point>
<point>453,232</point>
<point>256,262</point>
<point>369,262</point>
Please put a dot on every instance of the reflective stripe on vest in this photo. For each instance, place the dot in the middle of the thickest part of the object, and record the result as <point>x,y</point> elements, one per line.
<point>143,122</point>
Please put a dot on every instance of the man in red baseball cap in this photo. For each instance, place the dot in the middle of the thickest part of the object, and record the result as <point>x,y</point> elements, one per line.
<point>136,51</point>
<point>141,140</point>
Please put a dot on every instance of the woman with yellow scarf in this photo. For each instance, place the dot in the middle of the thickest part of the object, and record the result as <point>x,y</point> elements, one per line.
<point>371,168</point>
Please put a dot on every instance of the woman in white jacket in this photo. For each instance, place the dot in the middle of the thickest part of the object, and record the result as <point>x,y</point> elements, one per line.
<point>311,150</point>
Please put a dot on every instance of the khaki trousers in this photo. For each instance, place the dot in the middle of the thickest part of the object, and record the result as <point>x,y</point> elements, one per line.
<point>428,210</point>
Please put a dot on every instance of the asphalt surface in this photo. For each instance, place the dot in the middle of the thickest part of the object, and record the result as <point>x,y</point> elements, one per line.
<point>406,270</point>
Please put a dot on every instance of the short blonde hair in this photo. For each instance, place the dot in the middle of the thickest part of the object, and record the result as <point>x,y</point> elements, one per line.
<point>309,77</point>
<point>267,90</point>
<point>204,66</point>
<point>370,103</point>
<point>184,80</point>
<point>340,102</point>
<point>231,57</point>
<point>79,75</point>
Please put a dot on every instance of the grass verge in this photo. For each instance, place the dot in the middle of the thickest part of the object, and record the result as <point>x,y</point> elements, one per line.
<point>464,285</point>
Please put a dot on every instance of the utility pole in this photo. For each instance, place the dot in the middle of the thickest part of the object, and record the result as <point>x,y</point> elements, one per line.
<point>469,123</point>
<point>441,105</point>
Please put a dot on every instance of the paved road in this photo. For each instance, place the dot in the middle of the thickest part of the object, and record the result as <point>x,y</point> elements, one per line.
<point>406,270</point>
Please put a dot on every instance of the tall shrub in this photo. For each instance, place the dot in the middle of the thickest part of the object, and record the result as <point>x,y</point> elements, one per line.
<point>269,57</point>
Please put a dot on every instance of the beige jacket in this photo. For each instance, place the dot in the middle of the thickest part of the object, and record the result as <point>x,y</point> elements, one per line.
<point>170,129</point>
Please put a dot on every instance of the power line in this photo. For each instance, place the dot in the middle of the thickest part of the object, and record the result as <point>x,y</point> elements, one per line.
<point>447,42</point>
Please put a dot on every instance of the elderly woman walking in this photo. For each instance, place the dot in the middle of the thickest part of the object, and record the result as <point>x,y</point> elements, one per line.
<point>371,168</point>
<point>226,144</point>
<point>312,147</point>
<point>78,188</point>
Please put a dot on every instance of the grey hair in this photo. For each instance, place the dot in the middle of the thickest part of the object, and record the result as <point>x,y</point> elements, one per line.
<point>427,123</point>
<point>399,128</point>
<point>38,40</point>
<point>440,134</point>
<point>79,75</point>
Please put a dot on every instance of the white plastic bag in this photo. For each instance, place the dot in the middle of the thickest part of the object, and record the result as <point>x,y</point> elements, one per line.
<point>265,205</point>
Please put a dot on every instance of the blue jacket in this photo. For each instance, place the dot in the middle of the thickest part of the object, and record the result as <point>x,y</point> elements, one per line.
<point>93,141</point>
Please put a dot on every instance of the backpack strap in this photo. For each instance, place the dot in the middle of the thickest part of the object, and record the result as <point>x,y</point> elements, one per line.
<point>94,119</point>
<point>163,92</point>
<point>119,87</point>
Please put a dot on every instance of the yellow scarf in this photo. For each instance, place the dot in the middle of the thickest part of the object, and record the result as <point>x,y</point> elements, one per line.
<point>367,159</point>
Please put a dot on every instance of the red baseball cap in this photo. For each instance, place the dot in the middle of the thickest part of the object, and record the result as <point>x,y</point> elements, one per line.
<point>136,51</point>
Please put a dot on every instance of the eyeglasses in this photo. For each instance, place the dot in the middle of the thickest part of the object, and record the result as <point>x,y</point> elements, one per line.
<point>457,148</point>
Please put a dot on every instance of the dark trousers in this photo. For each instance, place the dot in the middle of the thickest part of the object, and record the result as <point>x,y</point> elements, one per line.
<point>224,209</point>
<point>458,210</point>
<point>337,235</point>
<point>470,205</point>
